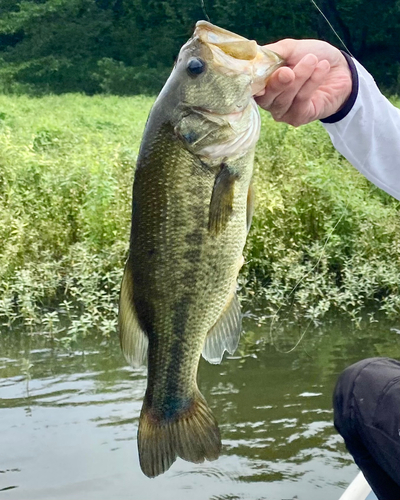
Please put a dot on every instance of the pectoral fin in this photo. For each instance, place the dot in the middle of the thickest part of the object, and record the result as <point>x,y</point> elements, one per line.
<point>250,205</point>
<point>134,341</point>
<point>225,334</point>
<point>221,204</point>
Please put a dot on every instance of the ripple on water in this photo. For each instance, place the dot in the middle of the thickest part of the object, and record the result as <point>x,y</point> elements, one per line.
<point>69,424</point>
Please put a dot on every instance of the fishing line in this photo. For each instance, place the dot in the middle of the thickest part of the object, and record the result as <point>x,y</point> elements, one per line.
<point>327,239</point>
<point>332,28</point>
<point>204,10</point>
<point>274,318</point>
<point>297,285</point>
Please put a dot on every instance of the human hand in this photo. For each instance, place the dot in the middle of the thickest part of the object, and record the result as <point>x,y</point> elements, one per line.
<point>315,83</point>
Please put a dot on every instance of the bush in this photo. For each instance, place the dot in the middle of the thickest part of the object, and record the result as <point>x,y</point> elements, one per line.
<point>115,77</point>
<point>323,238</point>
<point>67,168</point>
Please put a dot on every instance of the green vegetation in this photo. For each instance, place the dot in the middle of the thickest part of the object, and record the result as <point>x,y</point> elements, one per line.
<point>67,167</point>
<point>323,237</point>
<point>128,46</point>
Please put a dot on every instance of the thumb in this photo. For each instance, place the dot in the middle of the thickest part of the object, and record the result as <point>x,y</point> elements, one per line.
<point>283,48</point>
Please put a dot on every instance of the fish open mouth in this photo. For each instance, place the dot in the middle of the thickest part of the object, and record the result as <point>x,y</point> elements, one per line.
<point>233,53</point>
<point>230,43</point>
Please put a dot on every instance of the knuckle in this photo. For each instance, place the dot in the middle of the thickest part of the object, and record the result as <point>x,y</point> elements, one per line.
<point>297,120</point>
<point>267,105</point>
<point>274,86</point>
<point>293,118</point>
<point>289,42</point>
<point>276,116</point>
<point>280,106</point>
<point>302,97</point>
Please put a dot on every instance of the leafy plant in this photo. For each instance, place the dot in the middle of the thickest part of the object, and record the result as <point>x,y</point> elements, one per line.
<point>323,238</point>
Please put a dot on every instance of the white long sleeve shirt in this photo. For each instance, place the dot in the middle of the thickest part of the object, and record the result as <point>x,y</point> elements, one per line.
<point>368,136</point>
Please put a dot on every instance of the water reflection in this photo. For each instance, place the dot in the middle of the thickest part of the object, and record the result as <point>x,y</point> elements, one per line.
<point>69,419</point>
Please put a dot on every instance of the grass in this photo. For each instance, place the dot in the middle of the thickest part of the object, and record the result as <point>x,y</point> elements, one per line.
<point>67,166</point>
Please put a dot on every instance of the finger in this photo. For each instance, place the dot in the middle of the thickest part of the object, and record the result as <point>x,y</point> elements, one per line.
<point>305,113</point>
<point>292,51</point>
<point>303,71</point>
<point>259,94</point>
<point>277,83</point>
<point>306,106</point>
<point>316,79</point>
<point>285,48</point>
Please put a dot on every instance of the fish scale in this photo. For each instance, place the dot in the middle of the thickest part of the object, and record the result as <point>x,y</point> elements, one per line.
<point>191,212</point>
<point>202,284</point>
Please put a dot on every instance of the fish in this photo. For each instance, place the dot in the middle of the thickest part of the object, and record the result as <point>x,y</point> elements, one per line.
<point>192,205</point>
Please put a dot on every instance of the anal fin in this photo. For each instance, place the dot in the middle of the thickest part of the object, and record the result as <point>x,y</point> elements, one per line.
<point>134,341</point>
<point>225,334</point>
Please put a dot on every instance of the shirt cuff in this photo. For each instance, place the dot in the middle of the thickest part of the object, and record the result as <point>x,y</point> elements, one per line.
<point>345,110</point>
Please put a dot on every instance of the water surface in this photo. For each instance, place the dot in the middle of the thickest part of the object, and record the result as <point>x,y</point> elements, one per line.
<point>68,419</point>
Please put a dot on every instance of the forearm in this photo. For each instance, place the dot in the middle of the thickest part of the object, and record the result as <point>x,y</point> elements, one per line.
<point>369,135</point>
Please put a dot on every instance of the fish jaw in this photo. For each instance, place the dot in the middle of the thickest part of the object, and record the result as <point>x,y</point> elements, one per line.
<point>237,46</point>
<point>231,69</point>
<point>263,67</point>
<point>241,68</point>
<point>234,54</point>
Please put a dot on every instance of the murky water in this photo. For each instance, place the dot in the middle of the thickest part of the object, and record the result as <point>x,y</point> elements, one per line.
<point>68,420</point>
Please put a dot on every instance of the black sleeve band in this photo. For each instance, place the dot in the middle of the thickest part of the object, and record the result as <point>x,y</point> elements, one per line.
<point>345,110</point>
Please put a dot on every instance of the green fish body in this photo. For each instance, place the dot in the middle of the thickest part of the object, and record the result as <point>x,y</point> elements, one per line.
<point>191,209</point>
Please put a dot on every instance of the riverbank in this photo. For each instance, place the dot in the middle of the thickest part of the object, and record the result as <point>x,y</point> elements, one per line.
<point>322,238</point>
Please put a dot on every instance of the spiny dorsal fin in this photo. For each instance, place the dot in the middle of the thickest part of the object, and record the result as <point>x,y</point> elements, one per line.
<point>134,341</point>
<point>250,205</point>
<point>225,334</point>
<point>221,204</point>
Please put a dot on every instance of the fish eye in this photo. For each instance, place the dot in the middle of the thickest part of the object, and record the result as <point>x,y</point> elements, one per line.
<point>195,66</point>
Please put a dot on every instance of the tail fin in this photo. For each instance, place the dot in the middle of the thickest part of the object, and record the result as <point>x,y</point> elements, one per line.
<point>192,435</point>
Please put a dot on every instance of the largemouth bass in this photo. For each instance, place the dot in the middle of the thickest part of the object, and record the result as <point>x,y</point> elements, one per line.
<point>192,207</point>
